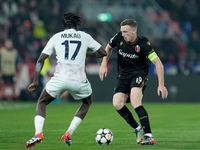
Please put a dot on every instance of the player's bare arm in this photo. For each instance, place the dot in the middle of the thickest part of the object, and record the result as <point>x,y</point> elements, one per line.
<point>98,54</point>
<point>160,72</point>
<point>38,68</point>
<point>103,70</point>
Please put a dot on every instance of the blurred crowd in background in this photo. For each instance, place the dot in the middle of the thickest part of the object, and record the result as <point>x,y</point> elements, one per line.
<point>183,46</point>
<point>30,23</point>
<point>172,26</point>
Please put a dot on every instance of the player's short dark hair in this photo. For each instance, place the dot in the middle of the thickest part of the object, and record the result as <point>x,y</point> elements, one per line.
<point>130,22</point>
<point>70,20</point>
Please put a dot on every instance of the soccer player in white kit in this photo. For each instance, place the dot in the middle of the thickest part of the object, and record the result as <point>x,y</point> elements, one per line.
<point>71,48</point>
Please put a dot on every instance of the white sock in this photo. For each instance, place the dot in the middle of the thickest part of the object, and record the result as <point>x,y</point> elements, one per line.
<point>74,124</point>
<point>149,134</point>
<point>138,128</point>
<point>39,122</point>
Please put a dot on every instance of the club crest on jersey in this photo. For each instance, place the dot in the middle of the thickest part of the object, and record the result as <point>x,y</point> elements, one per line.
<point>137,48</point>
<point>148,43</point>
<point>121,43</point>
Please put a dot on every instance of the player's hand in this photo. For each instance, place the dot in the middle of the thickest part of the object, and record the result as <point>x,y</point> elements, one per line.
<point>32,87</point>
<point>163,91</point>
<point>103,70</point>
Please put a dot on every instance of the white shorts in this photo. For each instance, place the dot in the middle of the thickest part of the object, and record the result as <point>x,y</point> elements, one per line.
<point>57,85</point>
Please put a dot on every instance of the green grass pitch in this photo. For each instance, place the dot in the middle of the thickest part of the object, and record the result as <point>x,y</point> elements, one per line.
<point>174,126</point>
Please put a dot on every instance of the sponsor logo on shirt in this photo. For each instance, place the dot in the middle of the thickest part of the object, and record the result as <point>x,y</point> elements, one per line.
<point>132,56</point>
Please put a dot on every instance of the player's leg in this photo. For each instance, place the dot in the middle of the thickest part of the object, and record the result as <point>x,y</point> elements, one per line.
<point>136,101</point>
<point>42,102</point>
<point>83,91</point>
<point>120,97</point>
<point>119,100</point>
<point>39,119</point>
<point>80,114</point>
<point>83,109</point>
<point>13,86</point>
<point>4,99</point>
<point>3,86</point>
<point>40,115</point>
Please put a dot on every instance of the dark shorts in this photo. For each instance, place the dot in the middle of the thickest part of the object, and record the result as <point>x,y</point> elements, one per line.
<point>125,85</point>
<point>7,79</point>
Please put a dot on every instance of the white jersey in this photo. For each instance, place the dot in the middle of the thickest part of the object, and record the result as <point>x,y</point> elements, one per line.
<point>70,47</point>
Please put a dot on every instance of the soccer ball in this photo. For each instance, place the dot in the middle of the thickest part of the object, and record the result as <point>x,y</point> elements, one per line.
<point>104,136</point>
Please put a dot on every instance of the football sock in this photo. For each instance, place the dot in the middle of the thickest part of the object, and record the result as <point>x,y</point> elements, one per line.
<point>39,122</point>
<point>127,115</point>
<point>138,128</point>
<point>149,134</point>
<point>144,119</point>
<point>74,124</point>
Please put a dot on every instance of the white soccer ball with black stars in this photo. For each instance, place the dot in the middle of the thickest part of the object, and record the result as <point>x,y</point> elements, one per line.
<point>104,136</point>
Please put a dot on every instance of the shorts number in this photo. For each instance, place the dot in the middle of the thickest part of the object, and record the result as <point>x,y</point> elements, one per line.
<point>66,43</point>
<point>139,80</point>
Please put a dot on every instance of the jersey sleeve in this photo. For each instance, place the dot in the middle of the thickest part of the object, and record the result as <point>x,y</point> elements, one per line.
<point>92,44</point>
<point>149,51</point>
<point>114,40</point>
<point>48,49</point>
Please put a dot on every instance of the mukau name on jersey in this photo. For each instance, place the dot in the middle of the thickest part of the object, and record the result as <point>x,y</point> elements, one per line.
<point>133,56</point>
<point>71,35</point>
